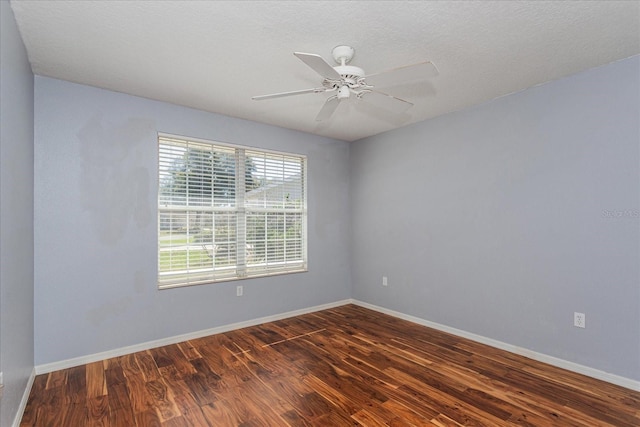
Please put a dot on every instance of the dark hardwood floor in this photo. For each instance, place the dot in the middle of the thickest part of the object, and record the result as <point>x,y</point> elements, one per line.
<point>339,367</point>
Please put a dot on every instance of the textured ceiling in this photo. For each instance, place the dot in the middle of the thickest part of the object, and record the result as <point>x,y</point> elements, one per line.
<point>216,55</point>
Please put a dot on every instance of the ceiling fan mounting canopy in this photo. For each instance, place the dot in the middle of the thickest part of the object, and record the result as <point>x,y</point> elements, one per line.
<point>343,54</point>
<point>348,79</point>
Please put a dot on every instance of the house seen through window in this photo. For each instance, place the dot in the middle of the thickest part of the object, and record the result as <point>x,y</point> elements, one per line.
<point>228,212</point>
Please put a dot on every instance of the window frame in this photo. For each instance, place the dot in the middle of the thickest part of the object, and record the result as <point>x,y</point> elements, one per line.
<point>241,209</point>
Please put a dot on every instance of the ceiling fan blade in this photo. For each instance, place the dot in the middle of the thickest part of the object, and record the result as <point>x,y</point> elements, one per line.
<point>420,70</point>
<point>319,65</point>
<point>293,92</point>
<point>328,108</point>
<point>387,102</point>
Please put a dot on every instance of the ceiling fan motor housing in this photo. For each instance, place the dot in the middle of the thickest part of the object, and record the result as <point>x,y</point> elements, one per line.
<point>350,71</point>
<point>352,78</point>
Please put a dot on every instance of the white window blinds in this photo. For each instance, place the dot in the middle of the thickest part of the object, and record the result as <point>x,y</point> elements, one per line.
<point>228,213</point>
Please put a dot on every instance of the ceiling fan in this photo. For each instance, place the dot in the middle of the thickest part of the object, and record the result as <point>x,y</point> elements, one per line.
<point>347,81</point>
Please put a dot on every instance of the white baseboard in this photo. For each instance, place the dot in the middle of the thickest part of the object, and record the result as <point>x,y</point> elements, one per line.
<point>560,363</point>
<point>540,357</point>
<point>25,398</point>
<point>83,360</point>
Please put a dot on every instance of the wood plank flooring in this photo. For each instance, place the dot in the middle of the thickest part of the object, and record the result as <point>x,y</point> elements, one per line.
<point>347,366</point>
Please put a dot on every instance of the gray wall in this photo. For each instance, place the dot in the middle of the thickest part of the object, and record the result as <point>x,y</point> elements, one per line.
<point>16,216</point>
<point>514,215</point>
<point>504,219</point>
<point>95,224</point>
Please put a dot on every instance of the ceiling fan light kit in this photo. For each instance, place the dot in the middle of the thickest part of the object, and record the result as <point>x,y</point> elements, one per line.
<point>344,92</point>
<point>346,80</point>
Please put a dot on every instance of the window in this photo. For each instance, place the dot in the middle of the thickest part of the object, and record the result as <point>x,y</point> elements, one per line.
<point>228,212</point>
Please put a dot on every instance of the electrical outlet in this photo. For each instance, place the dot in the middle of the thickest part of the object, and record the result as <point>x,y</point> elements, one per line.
<point>239,291</point>
<point>384,281</point>
<point>1,380</point>
<point>579,320</point>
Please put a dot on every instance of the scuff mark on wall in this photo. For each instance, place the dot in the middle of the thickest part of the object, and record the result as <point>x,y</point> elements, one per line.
<point>114,181</point>
<point>108,310</point>
<point>324,189</point>
<point>140,281</point>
